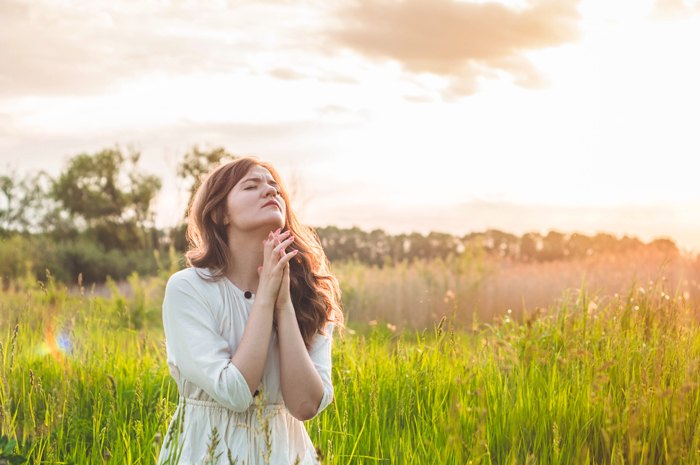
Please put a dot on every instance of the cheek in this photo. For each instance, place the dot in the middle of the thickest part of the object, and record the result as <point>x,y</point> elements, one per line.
<point>236,204</point>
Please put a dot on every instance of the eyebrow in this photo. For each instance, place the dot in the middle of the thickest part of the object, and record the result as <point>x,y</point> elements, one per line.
<point>259,179</point>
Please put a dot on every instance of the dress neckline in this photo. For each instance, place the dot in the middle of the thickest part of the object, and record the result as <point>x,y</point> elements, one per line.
<point>239,291</point>
<point>235,288</point>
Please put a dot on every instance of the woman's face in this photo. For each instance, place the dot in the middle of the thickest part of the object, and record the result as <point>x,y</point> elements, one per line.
<point>255,203</point>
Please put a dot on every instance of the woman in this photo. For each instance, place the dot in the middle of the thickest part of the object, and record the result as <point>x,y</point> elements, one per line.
<point>249,325</point>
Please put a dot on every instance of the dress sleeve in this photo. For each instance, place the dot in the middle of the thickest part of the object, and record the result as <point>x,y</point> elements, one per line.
<point>320,354</point>
<point>201,354</point>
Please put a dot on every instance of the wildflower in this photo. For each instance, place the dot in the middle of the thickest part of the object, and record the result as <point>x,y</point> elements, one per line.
<point>442,322</point>
<point>212,446</point>
<point>557,439</point>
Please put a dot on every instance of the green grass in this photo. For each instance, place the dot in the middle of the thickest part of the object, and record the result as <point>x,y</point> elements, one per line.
<point>589,380</point>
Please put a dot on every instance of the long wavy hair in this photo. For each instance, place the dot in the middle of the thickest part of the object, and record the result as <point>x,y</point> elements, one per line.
<point>314,291</point>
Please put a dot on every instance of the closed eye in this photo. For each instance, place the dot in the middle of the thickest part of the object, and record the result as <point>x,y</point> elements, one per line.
<point>253,187</point>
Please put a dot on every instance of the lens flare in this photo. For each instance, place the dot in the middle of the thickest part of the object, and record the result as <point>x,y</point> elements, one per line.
<point>64,343</point>
<point>56,345</point>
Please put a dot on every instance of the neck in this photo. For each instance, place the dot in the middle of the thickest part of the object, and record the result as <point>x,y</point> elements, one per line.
<point>246,253</point>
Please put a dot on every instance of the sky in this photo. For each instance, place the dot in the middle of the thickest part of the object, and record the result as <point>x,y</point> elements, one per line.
<point>405,115</point>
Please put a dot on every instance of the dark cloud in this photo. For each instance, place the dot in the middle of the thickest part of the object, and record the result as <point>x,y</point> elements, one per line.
<point>462,41</point>
<point>673,10</point>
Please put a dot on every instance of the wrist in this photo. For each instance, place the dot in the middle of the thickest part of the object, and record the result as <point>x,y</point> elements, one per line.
<point>264,301</point>
<point>285,309</point>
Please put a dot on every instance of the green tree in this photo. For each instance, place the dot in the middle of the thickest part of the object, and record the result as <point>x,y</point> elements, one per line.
<point>107,194</point>
<point>25,201</point>
<point>198,163</point>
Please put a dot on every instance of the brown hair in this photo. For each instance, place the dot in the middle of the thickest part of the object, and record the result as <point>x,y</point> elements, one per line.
<point>314,291</point>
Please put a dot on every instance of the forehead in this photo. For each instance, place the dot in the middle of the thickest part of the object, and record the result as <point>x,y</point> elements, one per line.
<point>258,173</point>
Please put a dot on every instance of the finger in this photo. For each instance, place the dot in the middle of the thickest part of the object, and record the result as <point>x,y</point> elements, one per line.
<point>284,244</point>
<point>284,260</point>
<point>285,275</point>
<point>275,244</point>
<point>268,241</point>
<point>269,247</point>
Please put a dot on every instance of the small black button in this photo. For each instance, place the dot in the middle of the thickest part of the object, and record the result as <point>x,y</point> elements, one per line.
<point>248,295</point>
<point>256,393</point>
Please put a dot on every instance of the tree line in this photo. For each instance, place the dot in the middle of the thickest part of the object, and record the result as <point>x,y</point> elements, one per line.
<point>97,218</point>
<point>379,248</point>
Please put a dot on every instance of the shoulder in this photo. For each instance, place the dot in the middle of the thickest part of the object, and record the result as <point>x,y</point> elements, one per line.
<point>189,278</point>
<point>191,283</point>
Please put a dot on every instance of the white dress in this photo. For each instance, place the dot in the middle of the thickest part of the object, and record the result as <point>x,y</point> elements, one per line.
<point>204,323</point>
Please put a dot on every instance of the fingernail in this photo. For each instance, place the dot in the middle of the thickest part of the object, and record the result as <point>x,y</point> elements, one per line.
<point>278,230</point>
<point>295,251</point>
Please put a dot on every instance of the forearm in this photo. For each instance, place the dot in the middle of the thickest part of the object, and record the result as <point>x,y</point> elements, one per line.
<point>302,386</point>
<point>251,354</point>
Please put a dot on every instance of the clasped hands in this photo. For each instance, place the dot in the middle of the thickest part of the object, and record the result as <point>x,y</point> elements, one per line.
<point>274,272</point>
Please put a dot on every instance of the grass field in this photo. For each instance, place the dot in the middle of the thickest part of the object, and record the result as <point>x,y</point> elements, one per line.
<point>590,379</point>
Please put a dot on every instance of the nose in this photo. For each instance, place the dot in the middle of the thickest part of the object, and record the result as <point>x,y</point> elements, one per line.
<point>271,191</point>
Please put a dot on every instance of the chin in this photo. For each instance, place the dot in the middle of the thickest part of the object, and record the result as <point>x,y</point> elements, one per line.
<point>273,221</point>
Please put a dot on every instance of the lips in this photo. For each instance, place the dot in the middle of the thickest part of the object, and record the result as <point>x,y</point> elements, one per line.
<point>272,202</point>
